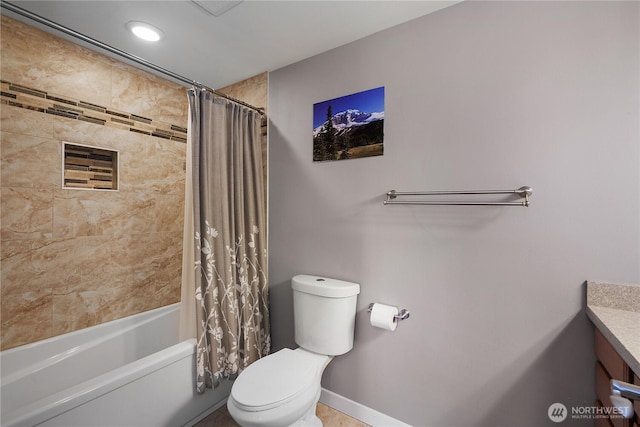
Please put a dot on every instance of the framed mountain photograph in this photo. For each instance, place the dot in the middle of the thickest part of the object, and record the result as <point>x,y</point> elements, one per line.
<point>349,127</point>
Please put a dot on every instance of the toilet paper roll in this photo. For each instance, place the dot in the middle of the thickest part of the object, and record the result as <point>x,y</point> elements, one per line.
<point>383,316</point>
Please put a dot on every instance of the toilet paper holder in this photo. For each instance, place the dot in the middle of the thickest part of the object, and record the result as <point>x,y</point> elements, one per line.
<point>402,314</point>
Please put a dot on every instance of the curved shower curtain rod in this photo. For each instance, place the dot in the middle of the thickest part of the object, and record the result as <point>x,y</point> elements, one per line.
<point>44,21</point>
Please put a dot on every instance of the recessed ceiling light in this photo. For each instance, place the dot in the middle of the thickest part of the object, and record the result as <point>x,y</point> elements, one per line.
<point>144,31</point>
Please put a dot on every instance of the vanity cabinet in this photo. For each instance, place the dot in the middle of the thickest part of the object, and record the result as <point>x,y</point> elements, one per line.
<point>611,366</point>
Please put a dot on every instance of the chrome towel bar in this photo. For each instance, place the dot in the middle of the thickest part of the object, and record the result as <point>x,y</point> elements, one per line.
<point>524,192</point>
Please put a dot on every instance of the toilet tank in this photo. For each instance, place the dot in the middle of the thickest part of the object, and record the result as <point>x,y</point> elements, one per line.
<point>324,313</point>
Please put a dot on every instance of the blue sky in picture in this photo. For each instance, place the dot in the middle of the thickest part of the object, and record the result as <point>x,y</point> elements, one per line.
<point>369,101</point>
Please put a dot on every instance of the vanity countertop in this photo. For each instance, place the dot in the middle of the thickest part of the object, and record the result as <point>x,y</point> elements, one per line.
<point>615,310</point>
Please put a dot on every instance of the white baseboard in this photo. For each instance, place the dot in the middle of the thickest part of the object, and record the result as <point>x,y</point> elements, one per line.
<point>358,411</point>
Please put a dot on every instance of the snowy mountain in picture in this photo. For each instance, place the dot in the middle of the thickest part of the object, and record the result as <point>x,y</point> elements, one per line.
<point>346,119</point>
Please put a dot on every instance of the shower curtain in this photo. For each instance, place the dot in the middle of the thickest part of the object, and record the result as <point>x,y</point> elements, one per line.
<point>224,268</point>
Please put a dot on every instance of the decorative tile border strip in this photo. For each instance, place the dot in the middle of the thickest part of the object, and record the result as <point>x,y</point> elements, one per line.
<point>37,100</point>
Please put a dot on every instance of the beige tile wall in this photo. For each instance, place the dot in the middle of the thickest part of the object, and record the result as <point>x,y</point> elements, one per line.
<point>253,90</point>
<point>70,259</point>
<point>75,258</point>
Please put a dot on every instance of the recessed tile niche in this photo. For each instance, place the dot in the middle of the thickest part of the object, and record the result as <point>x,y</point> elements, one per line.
<point>89,168</point>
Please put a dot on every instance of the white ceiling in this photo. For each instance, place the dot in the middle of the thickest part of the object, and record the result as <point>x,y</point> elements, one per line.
<point>252,37</point>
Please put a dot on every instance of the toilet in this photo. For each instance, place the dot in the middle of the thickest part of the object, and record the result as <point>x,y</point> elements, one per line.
<point>283,388</point>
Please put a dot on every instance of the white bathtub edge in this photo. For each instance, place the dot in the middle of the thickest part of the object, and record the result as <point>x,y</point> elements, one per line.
<point>76,340</point>
<point>42,410</point>
<point>358,411</point>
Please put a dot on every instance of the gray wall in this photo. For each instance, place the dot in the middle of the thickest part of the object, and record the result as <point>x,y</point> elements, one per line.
<point>481,95</point>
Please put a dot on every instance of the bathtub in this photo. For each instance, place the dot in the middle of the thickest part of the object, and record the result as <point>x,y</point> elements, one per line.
<point>128,372</point>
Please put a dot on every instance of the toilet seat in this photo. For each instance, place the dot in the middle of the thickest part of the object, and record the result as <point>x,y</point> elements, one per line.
<point>275,380</point>
<point>281,389</point>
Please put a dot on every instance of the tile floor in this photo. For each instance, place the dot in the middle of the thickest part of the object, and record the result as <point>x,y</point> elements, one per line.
<point>329,416</point>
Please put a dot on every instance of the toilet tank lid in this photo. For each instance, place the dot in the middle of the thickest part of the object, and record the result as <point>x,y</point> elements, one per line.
<point>324,287</point>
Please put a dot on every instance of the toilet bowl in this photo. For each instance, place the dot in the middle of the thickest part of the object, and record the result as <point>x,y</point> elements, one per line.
<point>283,388</point>
<point>279,390</point>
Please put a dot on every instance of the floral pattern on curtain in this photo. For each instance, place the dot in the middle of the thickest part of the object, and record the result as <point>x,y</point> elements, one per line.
<point>229,250</point>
